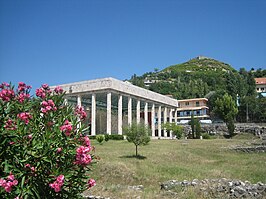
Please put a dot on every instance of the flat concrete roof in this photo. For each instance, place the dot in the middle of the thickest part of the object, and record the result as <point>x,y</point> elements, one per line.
<point>120,87</point>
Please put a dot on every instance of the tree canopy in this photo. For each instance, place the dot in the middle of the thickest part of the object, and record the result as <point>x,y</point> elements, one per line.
<point>138,134</point>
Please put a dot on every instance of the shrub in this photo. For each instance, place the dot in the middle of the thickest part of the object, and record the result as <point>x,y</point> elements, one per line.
<point>106,137</point>
<point>116,137</point>
<point>43,153</point>
<point>92,137</point>
<point>100,138</point>
<point>206,136</point>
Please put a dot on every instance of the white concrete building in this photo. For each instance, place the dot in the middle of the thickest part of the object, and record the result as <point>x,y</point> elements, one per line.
<point>111,103</point>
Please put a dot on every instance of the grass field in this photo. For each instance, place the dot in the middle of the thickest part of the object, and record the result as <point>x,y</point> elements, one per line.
<point>163,160</point>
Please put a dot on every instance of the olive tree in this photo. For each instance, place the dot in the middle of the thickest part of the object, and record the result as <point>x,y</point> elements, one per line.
<point>138,134</point>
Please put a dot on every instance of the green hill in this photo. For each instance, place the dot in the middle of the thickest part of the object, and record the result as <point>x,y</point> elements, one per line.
<point>200,64</point>
<point>193,79</point>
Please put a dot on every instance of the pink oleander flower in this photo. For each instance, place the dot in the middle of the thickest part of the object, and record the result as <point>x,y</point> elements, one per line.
<point>45,86</point>
<point>58,90</point>
<point>27,165</point>
<point>59,150</point>
<point>22,87</point>
<point>79,111</point>
<point>24,116</point>
<point>56,185</point>
<point>8,183</point>
<point>66,128</point>
<point>4,85</point>
<point>10,125</point>
<point>91,183</point>
<point>86,141</point>
<point>48,106</point>
<point>40,92</point>
<point>82,156</point>
<point>22,97</point>
<point>7,94</point>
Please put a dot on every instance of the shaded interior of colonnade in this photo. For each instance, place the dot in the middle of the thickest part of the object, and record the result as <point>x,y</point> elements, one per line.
<point>101,113</point>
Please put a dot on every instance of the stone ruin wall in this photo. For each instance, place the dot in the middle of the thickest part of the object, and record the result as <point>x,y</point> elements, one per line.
<point>221,129</point>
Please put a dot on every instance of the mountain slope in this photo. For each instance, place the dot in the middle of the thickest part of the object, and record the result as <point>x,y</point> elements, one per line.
<point>200,64</point>
<point>192,79</point>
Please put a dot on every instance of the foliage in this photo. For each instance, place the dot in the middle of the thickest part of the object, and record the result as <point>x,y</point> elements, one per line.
<point>43,153</point>
<point>226,109</point>
<point>100,138</point>
<point>116,137</point>
<point>198,129</point>
<point>138,134</point>
<point>106,137</point>
<point>195,127</point>
<point>206,136</point>
<point>177,130</point>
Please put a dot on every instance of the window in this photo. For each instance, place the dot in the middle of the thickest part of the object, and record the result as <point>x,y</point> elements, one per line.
<point>262,89</point>
<point>197,103</point>
<point>187,103</point>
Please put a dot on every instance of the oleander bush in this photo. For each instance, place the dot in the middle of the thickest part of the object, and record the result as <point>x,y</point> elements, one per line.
<point>43,152</point>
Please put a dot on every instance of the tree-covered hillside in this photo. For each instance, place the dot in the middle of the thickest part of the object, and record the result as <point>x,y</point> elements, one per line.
<point>205,77</point>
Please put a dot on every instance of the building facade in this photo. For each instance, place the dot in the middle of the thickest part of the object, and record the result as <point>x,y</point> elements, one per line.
<point>260,85</point>
<point>111,104</point>
<point>188,107</point>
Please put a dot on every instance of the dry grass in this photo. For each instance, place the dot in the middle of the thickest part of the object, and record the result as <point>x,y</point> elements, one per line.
<point>164,160</point>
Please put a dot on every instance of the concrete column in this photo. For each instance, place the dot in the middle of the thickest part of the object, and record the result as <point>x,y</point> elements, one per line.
<point>171,116</point>
<point>153,120</point>
<point>109,114</point>
<point>93,114</point>
<point>79,105</point>
<point>171,121</point>
<point>129,109</point>
<point>120,114</point>
<point>146,113</point>
<point>65,102</point>
<point>159,121</point>
<point>164,121</point>
<point>138,111</point>
<point>175,116</point>
<point>79,100</point>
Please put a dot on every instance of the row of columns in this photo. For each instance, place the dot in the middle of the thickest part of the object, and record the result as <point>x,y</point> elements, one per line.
<point>120,114</point>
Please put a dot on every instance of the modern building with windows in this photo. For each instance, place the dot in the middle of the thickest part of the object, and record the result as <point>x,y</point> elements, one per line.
<point>188,107</point>
<point>260,85</point>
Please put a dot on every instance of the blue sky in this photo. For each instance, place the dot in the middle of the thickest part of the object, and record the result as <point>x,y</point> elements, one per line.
<point>63,41</point>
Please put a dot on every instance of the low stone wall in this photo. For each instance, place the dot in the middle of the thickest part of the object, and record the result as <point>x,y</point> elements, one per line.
<point>221,129</point>
<point>250,149</point>
<point>220,188</point>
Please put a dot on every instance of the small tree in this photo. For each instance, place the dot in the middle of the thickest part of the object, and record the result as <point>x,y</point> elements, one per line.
<point>226,109</point>
<point>195,127</point>
<point>139,134</point>
<point>198,129</point>
<point>176,129</point>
